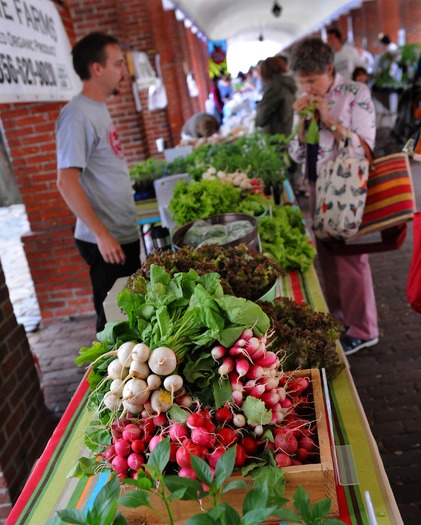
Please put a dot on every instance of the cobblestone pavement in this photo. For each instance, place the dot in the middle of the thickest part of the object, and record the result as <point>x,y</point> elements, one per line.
<point>387,376</point>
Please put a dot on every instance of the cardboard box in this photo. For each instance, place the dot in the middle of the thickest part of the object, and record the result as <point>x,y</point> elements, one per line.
<point>111,308</point>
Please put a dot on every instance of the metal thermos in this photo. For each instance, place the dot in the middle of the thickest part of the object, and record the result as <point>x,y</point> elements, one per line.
<point>161,238</point>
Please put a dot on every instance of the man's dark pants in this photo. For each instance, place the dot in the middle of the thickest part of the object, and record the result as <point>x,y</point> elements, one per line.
<point>103,275</point>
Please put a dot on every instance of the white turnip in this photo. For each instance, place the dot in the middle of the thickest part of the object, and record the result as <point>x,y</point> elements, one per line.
<point>153,381</point>
<point>185,401</point>
<point>124,353</point>
<point>112,401</point>
<point>131,407</point>
<point>141,353</point>
<point>116,370</point>
<point>161,401</point>
<point>162,361</point>
<point>239,420</point>
<point>135,391</point>
<point>117,386</point>
<point>139,370</point>
<point>172,383</point>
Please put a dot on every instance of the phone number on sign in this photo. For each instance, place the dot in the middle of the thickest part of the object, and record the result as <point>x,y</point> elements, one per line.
<point>19,69</point>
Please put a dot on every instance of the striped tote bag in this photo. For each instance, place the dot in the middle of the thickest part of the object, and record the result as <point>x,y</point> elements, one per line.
<point>390,196</point>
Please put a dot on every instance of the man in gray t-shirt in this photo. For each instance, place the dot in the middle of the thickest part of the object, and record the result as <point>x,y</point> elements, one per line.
<point>93,176</point>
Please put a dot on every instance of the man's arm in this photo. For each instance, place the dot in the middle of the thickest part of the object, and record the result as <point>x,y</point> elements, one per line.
<point>72,192</point>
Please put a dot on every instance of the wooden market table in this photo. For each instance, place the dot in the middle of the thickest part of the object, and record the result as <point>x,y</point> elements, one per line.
<point>48,489</point>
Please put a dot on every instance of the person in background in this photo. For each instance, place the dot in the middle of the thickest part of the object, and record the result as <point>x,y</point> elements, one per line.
<point>93,176</point>
<point>341,107</point>
<point>385,62</point>
<point>218,103</point>
<point>274,112</point>
<point>346,57</point>
<point>366,59</point>
<point>200,125</point>
<point>254,79</point>
<point>225,88</point>
<point>360,75</point>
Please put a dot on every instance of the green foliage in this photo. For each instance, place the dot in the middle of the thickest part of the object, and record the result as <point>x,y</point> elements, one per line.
<point>147,171</point>
<point>244,272</point>
<point>312,132</point>
<point>186,312</point>
<point>307,338</point>
<point>199,199</point>
<point>259,155</point>
<point>265,499</point>
<point>283,238</point>
<point>104,510</point>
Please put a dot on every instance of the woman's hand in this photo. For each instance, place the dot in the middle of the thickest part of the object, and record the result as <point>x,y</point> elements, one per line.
<point>301,103</point>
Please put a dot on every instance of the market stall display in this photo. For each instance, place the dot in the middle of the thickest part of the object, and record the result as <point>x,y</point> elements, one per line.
<point>48,488</point>
<point>184,295</point>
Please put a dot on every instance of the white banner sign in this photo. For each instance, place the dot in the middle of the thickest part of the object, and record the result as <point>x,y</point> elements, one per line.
<point>35,53</point>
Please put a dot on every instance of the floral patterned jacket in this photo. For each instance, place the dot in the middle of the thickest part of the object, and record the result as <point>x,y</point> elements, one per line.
<point>350,103</point>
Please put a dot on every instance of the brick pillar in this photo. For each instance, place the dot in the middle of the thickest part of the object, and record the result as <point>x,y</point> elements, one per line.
<point>56,268</point>
<point>388,16</point>
<point>410,16</point>
<point>199,57</point>
<point>25,421</point>
<point>164,39</point>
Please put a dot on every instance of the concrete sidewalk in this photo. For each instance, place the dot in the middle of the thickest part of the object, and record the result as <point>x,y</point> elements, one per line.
<point>387,376</point>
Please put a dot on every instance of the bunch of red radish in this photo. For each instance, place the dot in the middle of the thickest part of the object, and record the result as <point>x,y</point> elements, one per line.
<point>254,371</point>
<point>208,434</point>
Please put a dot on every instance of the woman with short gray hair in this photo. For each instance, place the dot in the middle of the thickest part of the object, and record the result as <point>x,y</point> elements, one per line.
<point>342,107</point>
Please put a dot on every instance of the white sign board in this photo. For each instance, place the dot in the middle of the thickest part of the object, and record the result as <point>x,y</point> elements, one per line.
<point>35,53</point>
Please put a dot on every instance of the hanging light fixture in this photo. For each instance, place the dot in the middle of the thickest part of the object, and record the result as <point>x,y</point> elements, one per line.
<point>276,9</point>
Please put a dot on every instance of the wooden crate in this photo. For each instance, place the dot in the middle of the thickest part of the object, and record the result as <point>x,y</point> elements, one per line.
<point>318,479</point>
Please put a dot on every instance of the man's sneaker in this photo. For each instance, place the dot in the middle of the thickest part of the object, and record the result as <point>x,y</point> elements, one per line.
<point>353,344</point>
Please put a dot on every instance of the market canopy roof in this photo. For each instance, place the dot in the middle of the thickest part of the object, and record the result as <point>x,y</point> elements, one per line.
<point>282,21</point>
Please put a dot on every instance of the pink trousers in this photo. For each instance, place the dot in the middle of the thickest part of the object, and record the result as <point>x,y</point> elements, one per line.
<point>349,291</point>
<point>348,287</point>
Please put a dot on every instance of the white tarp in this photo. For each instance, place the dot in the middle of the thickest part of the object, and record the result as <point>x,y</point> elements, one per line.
<point>35,53</point>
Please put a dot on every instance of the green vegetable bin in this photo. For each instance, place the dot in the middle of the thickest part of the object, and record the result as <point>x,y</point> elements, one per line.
<point>251,239</point>
<point>270,295</point>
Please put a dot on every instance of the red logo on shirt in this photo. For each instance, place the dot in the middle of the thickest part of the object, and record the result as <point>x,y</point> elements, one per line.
<point>114,142</point>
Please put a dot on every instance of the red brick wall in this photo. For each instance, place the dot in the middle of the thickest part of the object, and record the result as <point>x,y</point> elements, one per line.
<point>59,274</point>
<point>25,423</point>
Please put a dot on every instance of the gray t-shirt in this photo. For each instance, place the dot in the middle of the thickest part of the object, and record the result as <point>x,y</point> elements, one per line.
<point>87,139</point>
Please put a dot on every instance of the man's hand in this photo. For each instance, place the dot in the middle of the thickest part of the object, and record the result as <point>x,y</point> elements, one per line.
<point>110,249</point>
<point>75,197</point>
